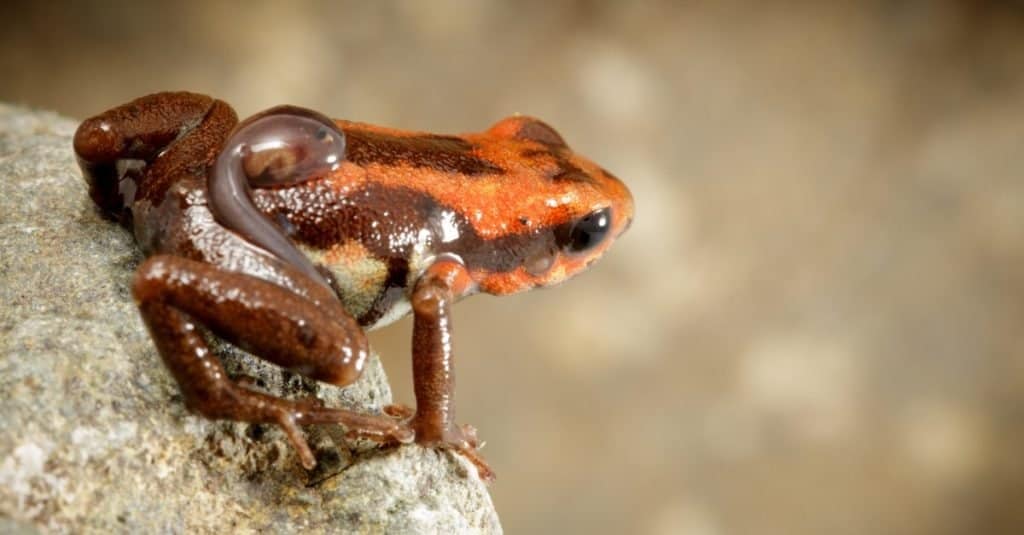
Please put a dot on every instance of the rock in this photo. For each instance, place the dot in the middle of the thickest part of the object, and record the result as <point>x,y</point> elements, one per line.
<point>93,433</point>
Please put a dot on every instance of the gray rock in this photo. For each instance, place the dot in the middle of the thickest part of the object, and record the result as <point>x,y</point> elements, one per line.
<point>93,434</point>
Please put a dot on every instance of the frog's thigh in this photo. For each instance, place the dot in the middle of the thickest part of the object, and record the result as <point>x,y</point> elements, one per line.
<point>273,322</point>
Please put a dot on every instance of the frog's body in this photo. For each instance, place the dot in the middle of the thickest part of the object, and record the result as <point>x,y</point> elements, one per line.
<point>288,233</point>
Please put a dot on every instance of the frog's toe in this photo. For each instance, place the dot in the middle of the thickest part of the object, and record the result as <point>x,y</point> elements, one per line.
<point>469,433</point>
<point>482,468</point>
<point>460,439</point>
<point>403,412</point>
<point>466,445</point>
<point>385,432</point>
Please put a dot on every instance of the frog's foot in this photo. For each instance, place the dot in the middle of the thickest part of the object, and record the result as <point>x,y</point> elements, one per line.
<point>234,402</point>
<point>311,410</point>
<point>460,439</point>
<point>247,405</point>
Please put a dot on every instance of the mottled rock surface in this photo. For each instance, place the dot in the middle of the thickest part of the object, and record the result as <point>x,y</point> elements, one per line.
<point>93,434</point>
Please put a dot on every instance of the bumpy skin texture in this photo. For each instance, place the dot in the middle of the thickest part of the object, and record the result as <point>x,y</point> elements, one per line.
<point>289,233</point>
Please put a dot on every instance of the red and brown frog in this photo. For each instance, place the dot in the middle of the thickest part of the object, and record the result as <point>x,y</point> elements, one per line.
<point>289,234</point>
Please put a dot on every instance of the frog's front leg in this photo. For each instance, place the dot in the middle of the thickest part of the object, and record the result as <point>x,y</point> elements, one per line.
<point>433,362</point>
<point>271,321</point>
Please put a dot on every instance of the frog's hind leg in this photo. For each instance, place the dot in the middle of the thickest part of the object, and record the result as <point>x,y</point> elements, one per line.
<point>135,150</point>
<point>174,293</point>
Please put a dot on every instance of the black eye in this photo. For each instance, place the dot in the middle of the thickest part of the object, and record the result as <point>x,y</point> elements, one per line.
<point>586,232</point>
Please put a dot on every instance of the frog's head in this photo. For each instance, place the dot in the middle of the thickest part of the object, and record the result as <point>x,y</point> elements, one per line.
<point>561,211</point>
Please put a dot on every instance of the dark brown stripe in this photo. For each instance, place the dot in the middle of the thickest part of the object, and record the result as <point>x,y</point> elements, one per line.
<point>568,172</point>
<point>542,132</point>
<point>447,154</point>
<point>530,154</point>
<point>564,170</point>
<point>322,220</point>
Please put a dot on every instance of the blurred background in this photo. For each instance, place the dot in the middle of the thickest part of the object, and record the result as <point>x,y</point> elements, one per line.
<point>814,324</point>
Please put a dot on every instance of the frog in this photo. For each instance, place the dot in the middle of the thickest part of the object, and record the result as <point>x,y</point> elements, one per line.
<point>290,235</point>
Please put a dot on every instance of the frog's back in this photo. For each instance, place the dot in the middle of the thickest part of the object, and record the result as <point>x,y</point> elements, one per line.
<point>495,200</point>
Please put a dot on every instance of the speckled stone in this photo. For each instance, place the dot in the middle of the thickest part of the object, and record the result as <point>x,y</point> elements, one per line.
<point>93,434</point>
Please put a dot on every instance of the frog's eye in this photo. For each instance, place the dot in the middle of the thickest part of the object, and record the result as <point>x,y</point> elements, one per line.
<point>585,233</point>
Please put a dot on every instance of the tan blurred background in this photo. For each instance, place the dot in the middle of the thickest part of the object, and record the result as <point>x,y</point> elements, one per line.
<point>814,325</point>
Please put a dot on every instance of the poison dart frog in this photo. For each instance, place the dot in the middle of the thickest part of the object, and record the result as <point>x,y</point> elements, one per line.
<point>289,234</point>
